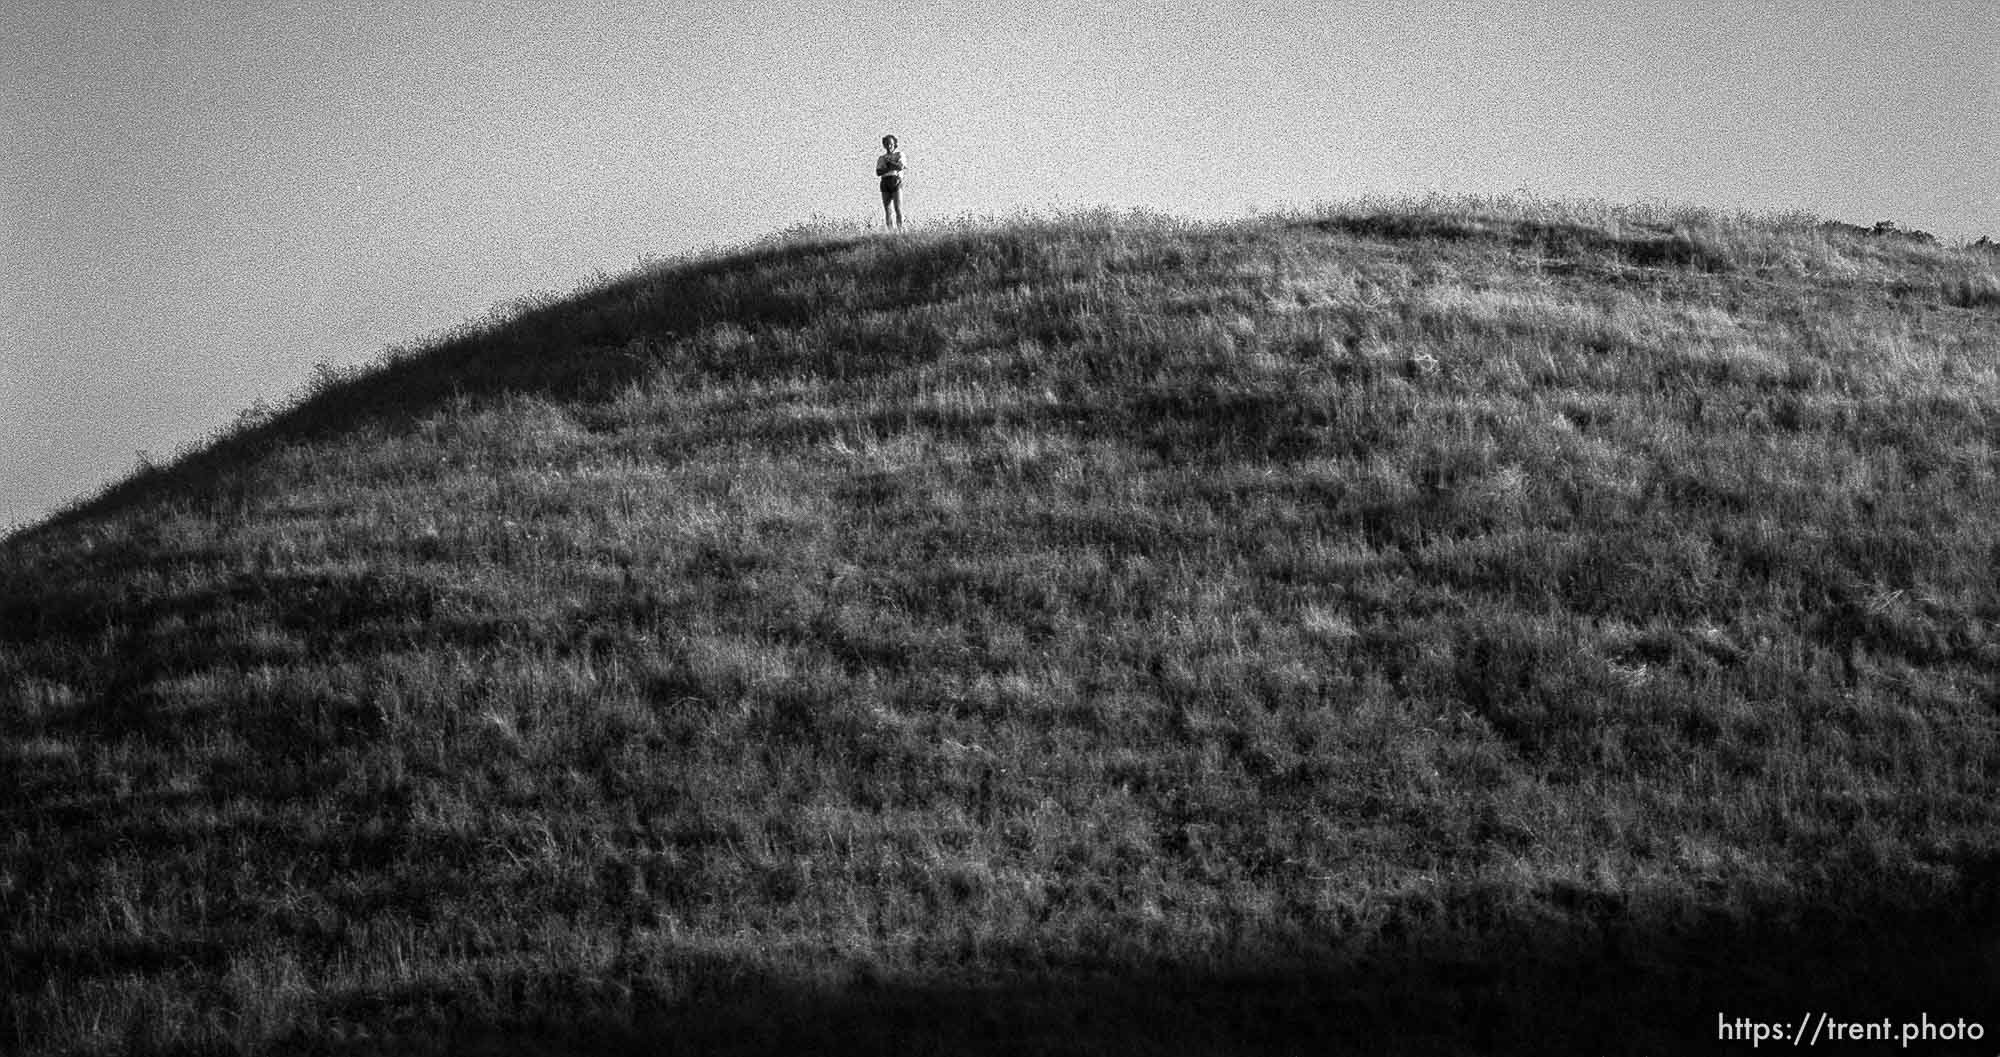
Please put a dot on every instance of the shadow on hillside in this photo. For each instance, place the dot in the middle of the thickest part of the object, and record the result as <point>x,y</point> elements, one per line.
<point>1613,988</point>
<point>1578,971</point>
<point>1648,246</point>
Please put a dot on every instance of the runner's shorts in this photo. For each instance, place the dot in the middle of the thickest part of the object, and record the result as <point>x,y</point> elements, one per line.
<point>891,184</point>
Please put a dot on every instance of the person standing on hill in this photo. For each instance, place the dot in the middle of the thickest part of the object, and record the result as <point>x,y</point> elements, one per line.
<point>890,168</point>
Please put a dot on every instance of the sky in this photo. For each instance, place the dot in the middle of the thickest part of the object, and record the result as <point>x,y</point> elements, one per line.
<point>202,199</point>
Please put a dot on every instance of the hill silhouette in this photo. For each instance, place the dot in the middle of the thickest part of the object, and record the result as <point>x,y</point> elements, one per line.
<point>1443,626</point>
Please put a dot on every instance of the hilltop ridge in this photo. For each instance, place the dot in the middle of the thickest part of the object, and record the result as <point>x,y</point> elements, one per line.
<point>1438,626</point>
<point>496,353</point>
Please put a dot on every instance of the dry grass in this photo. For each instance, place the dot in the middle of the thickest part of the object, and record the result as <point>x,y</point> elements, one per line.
<point>1416,600</point>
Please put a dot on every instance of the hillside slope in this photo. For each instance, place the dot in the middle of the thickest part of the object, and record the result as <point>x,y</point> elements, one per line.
<point>1425,627</point>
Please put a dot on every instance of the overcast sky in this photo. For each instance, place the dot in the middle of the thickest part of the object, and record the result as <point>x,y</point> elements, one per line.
<point>199,199</point>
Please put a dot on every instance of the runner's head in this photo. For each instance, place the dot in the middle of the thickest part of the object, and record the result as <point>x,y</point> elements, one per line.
<point>888,143</point>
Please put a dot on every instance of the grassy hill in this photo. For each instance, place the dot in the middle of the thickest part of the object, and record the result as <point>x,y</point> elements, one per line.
<point>1411,627</point>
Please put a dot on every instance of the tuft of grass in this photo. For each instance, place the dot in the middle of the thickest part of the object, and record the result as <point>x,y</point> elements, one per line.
<point>1412,612</point>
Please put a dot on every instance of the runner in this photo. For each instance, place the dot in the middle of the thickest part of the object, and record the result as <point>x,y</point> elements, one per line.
<point>890,168</point>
